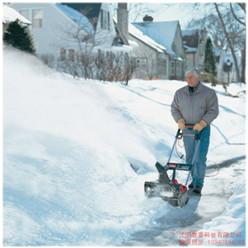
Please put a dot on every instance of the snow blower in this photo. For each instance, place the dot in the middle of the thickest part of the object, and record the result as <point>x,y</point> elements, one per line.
<point>167,187</point>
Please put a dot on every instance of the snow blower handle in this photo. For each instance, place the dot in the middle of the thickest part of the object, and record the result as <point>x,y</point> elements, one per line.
<point>179,134</point>
<point>196,134</point>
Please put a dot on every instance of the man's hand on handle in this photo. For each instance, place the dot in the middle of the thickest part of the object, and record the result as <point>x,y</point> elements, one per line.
<point>181,124</point>
<point>200,125</point>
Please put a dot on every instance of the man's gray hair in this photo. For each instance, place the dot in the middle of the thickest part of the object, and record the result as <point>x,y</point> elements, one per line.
<point>194,71</point>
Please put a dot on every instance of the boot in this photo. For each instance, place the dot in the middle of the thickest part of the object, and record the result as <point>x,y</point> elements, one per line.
<point>197,190</point>
<point>191,185</point>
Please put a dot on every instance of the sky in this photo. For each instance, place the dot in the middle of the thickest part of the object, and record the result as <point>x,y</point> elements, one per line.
<point>183,12</point>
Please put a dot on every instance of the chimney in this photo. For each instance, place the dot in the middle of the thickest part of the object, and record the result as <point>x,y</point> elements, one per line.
<point>122,21</point>
<point>147,18</point>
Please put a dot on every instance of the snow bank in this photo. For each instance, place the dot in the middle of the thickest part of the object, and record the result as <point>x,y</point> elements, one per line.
<point>66,157</point>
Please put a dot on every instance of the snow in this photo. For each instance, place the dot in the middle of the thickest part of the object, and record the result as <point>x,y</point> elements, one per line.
<point>161,32</point>
<point>68,145</point>
<point>233,218</point>
<point>11,15</point>
<point>144,38</point>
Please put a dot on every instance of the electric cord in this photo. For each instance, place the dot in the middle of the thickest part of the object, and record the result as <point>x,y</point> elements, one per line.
<point>209,173</point>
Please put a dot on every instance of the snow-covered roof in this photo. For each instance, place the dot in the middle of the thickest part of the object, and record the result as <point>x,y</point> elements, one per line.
<point>190,49</point>
<point>76,17</point>
<point>144,38</point>
<point>190,40</point>
<point>11,15</point>
<point>189,32</point>
<point>163,33</point>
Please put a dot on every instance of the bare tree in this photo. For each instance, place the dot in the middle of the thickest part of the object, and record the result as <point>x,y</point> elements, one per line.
<point>129,68</point>
<point>226,29</point>
<point>228,41</point>
<point>117,66</point>
<point>243,23</point>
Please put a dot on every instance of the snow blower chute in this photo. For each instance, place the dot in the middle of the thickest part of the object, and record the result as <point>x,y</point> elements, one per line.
<point>167,187</point>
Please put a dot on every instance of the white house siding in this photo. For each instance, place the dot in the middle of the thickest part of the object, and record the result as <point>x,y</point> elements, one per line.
<point>104,37</point>
<point>53,35</point>
<point>190,61</point>
<point>58,29</point>
<point>196,59</point>
<point>157,63</point>
<point>163,65</point>
<point>179,63</point>
<point>177,44</point>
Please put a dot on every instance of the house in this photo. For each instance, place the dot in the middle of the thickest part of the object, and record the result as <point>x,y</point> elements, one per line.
<point>160,51</point>
<point>156,46</point>
<point>194,42</point>
<point>60,30</point>
<point>11,15</point>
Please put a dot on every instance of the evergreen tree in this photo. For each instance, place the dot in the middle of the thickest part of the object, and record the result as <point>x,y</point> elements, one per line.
<point>209,61</point>
<point>19,37</point>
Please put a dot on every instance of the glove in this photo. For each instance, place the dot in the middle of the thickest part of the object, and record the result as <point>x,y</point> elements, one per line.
<point>181,124</point>
<point>200,125</point>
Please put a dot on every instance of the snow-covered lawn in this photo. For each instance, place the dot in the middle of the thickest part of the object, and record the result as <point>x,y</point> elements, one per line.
<point>68,145</point>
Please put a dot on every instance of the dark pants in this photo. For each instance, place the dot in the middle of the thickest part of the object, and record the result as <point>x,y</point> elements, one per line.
<point>199,167</point>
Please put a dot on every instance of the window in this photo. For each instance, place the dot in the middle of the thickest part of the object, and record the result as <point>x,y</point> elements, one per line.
<point>105,19</point>
<point>37,18</point>
<point>162,66</point>
<point>178,68</point>
<point>108,21</point>
<point>201,49</point>
<point>25,13</point>
<point>62,53</point>
<point>141,62</point>
<point>71,54</point>
<point>101,19</point>
<point>172,68</point>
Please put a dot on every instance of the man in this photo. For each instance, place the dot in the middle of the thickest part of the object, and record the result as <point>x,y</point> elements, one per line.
<point>196,105</point>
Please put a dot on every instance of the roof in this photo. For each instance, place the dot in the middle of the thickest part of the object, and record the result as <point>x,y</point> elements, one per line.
<point>11,15</point>
<point>163,33</point>
<point>190,40</point>
<point>76,17</point>
<point>145,39</point>
<point>89,10</point>
<point>190,49</point>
